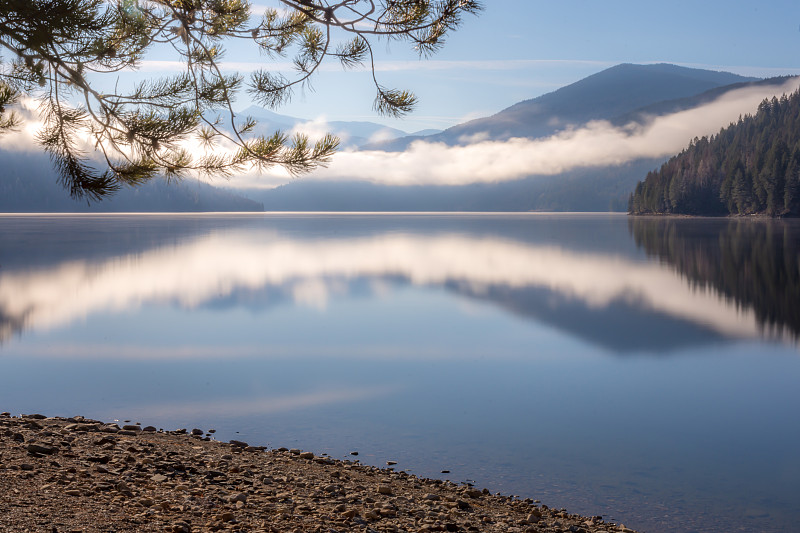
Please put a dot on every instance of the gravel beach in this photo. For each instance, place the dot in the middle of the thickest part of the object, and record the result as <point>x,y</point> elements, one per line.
<point>62,475</point>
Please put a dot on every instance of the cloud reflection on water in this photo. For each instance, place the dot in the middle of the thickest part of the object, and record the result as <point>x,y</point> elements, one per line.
<point>255,406</point>
<point>220,264</point>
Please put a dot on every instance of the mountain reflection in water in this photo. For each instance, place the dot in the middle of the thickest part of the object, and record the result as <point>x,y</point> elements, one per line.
<point>742,275</point>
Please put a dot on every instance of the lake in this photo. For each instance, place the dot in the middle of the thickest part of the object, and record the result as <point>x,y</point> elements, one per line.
<point>642,369</point>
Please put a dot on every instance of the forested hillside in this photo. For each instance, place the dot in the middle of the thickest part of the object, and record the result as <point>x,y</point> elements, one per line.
<point>751,167</point>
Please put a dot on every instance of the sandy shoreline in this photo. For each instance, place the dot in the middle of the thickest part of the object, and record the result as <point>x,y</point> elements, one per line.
<point>77,475</point>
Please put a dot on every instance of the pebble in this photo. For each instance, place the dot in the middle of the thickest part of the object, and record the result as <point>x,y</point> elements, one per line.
<point>39,449</point>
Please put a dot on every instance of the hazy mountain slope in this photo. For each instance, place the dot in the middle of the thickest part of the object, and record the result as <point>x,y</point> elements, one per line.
<point>29,184</point>
<point>613,92</point>
<point>351,132</point>
<point>620,94</point>
<point>592,189</point>
<point>667,107</point>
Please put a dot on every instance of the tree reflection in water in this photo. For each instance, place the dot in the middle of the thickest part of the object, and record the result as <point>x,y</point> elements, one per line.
<point>755,263</point>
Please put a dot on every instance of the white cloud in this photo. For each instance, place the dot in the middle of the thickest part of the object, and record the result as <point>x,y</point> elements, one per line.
<point>594,144</point>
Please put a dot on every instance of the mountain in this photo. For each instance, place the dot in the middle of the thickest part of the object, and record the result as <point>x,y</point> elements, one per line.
<point>352,133</point>
<point>621,95</point>
<point>751,167</point>
<point>610,93</point>
<point>29,184</point>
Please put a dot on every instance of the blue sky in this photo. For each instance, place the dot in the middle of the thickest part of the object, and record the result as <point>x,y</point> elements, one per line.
<point>519,49</point>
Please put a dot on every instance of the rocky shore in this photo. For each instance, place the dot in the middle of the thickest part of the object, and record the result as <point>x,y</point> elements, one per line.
<point>63,475</point>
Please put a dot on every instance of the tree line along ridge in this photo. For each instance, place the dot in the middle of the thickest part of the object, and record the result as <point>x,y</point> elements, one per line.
<point>750,167</point>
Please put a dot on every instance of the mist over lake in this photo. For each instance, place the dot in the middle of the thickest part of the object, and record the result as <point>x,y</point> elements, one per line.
<point>641,369</point>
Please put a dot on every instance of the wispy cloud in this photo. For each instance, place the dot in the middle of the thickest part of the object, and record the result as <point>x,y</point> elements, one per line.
<point>389,66</point>
<point>468,65</point>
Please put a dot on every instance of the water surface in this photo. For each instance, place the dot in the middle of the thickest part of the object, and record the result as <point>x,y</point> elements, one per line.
<point>641,369</point>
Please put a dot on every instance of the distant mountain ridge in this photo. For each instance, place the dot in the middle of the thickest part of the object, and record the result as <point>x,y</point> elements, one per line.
<point>622,94</point>
<point>616,91</point>
<point>352,133</point>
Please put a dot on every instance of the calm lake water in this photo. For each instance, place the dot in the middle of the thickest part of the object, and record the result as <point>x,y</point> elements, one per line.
<point>642,369</point>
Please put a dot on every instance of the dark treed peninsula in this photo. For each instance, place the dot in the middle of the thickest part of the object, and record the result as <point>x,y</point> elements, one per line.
<point>749,168</point>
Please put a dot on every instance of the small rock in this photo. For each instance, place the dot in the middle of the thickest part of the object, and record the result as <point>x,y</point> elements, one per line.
<point>307,455</point>
<point>384,489</point>
<point>41,450</point>
<point>239,497</point>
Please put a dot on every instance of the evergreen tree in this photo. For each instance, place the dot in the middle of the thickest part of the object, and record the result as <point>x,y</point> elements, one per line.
<point>791,195</point>
<point>751,167</point>
<point>58,47</point>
